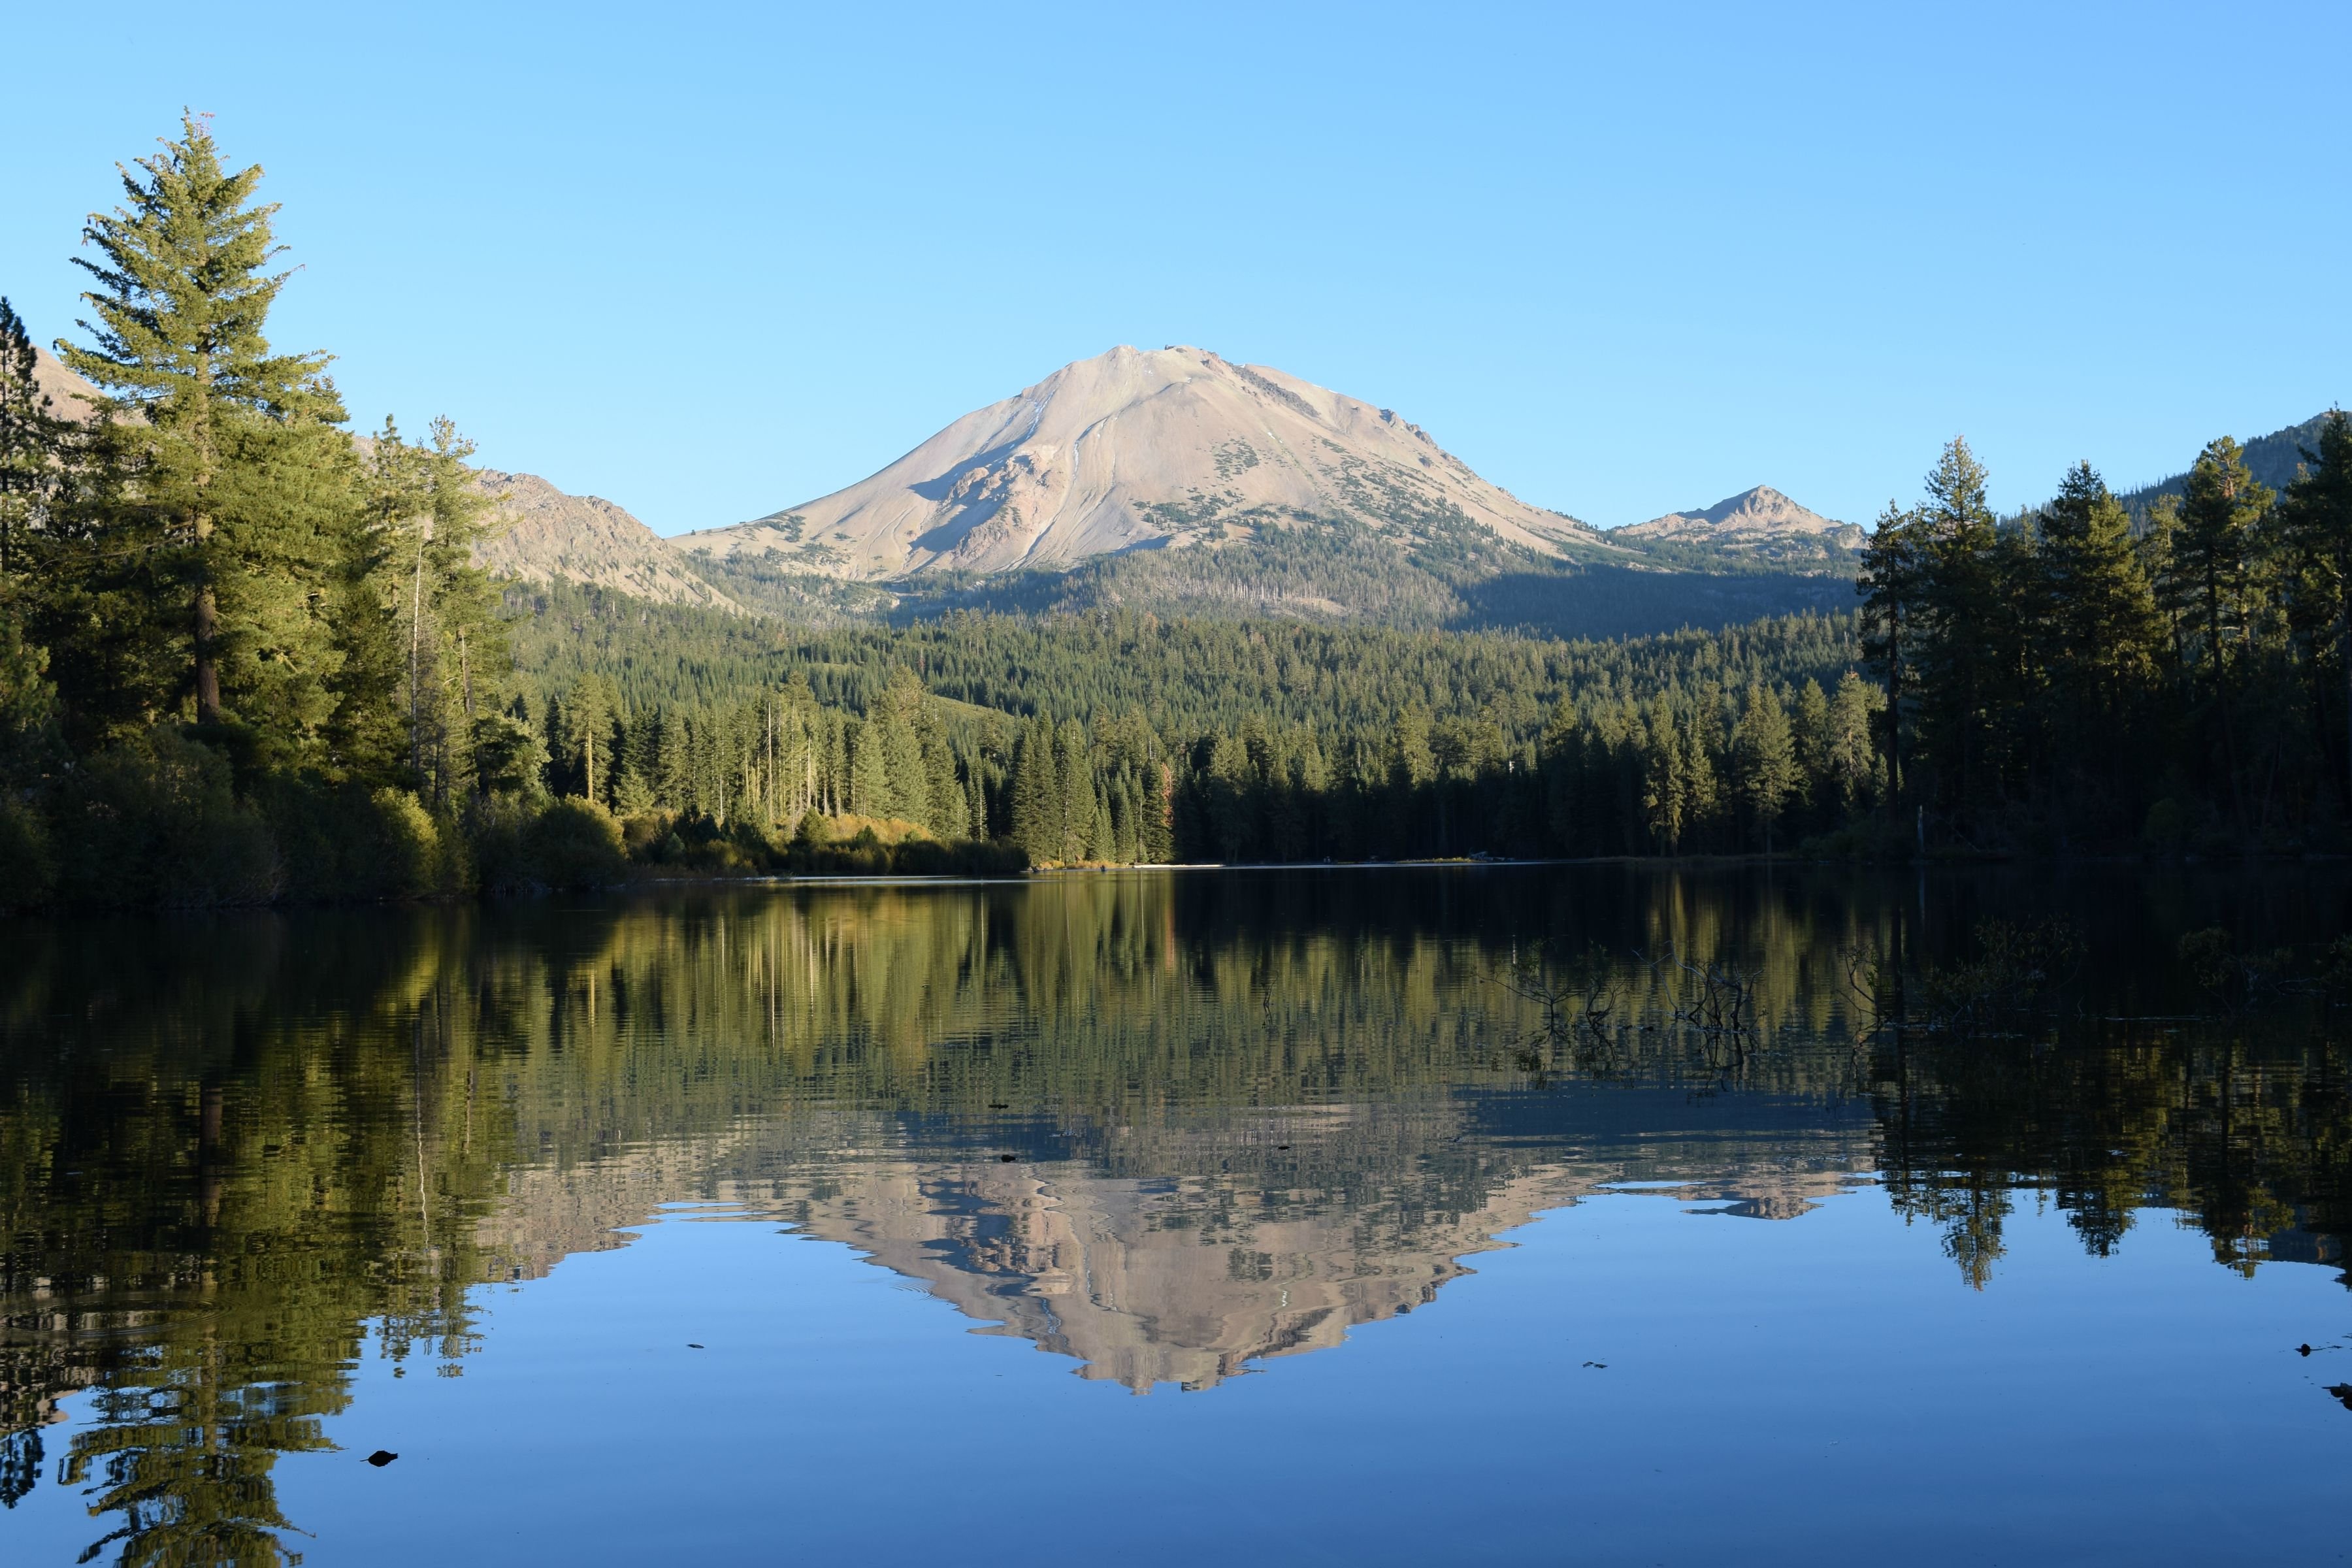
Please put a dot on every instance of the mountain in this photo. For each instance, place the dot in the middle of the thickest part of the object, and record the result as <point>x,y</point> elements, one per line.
<point>2275,459</point>
<point>1172,448</point>
<point>1759,522</point>
<point>1181,483</point>
<point>540,535</point>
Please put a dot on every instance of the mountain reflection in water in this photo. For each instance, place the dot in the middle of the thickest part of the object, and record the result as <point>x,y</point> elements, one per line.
<point>1169,1126</point>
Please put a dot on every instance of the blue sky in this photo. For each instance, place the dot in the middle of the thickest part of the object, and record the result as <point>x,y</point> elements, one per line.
<point>709,262</point>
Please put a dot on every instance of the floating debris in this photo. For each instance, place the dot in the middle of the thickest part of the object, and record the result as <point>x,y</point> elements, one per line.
<point>2343,1392</point>
<point>692,1346</point>
<point>382,1457</point>
<point>1008,1159</point>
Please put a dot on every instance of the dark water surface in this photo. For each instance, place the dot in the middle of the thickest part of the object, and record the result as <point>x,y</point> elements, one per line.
<point>854,1223</point>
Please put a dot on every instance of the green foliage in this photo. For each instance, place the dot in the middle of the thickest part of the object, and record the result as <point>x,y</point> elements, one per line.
<point>2061,681</point>
<point>341,843</point>
<point>152,821</point>
<point>573,844</point>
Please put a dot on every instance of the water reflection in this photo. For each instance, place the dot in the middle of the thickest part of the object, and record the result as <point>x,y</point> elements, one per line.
<point>1167,1126</point>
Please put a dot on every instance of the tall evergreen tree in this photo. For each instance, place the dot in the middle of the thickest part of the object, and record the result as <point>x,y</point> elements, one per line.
<point>2315,513</point>
<point>587,735</point>
<point>1038,793</point>
<point>222,498</point>
<point>1767,760</point>
<point>2221,504</point>
<point>32,438</point>
<point>1892,585</point>
<point>2100,632</point>
<point>1959,665</point>
<point>1075,755</point>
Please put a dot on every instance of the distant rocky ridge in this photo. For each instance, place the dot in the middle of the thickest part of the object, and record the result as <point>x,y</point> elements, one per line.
<point>543,534</point>
<point>1759,522</point>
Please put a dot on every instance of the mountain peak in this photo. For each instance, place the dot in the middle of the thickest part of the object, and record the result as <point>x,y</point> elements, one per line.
<point>1175,448</point>
<point>1759,520</point>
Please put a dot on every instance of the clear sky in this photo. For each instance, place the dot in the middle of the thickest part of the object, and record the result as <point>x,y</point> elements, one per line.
<point>707,261</point>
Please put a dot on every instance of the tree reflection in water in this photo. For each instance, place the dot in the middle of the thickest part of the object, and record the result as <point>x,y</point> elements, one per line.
<point>1247,1112</point>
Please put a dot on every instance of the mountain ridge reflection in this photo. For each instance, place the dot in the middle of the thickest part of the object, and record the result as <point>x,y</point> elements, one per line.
<point>1244,1113</point>
<point>1183,1280</point>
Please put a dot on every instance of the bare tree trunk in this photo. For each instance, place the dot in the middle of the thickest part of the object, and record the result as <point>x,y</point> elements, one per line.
<point>415,642</point>
<point>207,629</point>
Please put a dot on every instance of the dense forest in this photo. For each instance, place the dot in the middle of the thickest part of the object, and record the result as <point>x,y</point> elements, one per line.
<point>246,655</point>
<point>2071,680</point>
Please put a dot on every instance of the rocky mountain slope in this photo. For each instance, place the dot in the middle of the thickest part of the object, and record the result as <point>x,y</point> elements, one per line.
<point>70,397</point>
<point>1171,449</point>
<point>1759,522</point>
<point>540,535</point>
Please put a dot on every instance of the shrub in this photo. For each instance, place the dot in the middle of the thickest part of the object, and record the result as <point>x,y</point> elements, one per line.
<point>575,844</point>
<point>345,842</point>
<point>155,822</point>
<point>29,873</point>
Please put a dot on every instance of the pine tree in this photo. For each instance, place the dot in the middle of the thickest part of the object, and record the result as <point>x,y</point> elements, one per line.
<point>1891,583</point>
<point>2315,514</point>
<point>1767,761</point>
<point>221,500</point>
<point>587,735</point>
<point>456,640</point>
<point>1074,754</point>
<point>633,765</point>
<point>1851,759</point>
<point>1038,793</point>
<point>1664,781</point>
<point>869,777</point>
<point>1958,666</point>
<point>1809,730</point>
<point>976,802</point>
<point>2099,633</point>
<point>32,442</point>
<point>2221,505</point>
<point>2213,547</point>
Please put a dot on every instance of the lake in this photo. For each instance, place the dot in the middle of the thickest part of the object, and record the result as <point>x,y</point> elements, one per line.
<point>1596,1214</point>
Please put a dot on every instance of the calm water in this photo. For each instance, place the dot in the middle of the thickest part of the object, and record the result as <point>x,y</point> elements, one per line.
<point>1164,1218</point>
